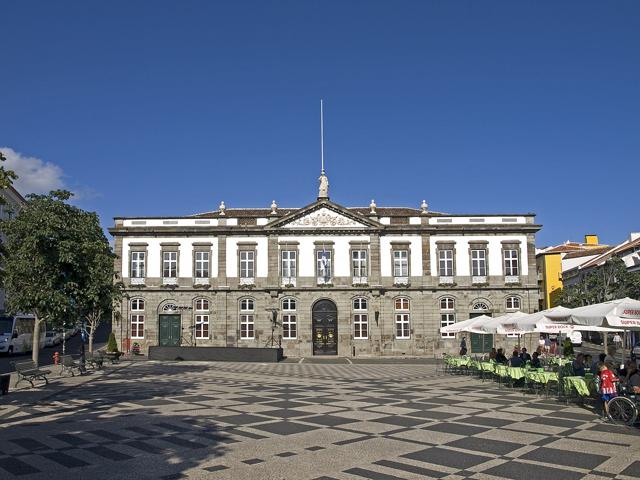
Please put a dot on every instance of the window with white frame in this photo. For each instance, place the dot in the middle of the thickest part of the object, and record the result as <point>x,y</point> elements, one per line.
<point>247,318</point>
<point>359,265</point>
<point>401,307</point>
<point>511,263</point>
<point>137,318</point>
<point>360,319</point>
<point>137,264</point>
<point>401,263</point>
<point>289,319</point>
<point>289,263</point>
<point>513,303</point>
<point>247,264</point>
<point>202,318</point>
<point>202,265</point>
<point>479,263</point>
<point>445,262</point>
<point>323,265</point>
<point>447,315</point>
<point>169,264</point>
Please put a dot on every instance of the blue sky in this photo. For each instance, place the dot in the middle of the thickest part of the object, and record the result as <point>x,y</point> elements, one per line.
<point>167,108</point>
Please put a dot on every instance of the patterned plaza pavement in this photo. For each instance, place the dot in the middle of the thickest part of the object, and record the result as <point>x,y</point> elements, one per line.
<point>307,421</point>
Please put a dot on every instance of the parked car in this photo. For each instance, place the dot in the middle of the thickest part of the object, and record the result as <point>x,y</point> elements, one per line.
<point>50,338</point>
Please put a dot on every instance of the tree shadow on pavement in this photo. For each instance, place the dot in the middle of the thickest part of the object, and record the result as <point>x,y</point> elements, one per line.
<point>133,423</point>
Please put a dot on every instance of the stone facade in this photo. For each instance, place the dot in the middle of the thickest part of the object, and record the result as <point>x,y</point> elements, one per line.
<point>338,231</point>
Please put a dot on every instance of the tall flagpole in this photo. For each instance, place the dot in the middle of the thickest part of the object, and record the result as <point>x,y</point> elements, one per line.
<point>321,137</point>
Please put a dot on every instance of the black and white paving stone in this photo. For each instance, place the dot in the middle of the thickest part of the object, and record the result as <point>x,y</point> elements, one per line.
<point>308,421</point>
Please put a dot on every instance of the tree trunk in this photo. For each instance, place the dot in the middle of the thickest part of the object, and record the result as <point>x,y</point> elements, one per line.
<point>93,320</point>
<point>35,353</point>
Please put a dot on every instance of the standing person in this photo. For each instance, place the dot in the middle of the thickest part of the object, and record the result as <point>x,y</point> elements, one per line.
<point>617,341</point>
<point>541,344</point>
<point>607,387</point>
<point>463,346</point>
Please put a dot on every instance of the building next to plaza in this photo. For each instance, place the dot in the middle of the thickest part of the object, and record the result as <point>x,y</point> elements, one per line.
<point>322,279</point>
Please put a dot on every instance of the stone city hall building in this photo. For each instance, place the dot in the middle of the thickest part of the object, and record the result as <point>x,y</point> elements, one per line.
<point>322,279</point>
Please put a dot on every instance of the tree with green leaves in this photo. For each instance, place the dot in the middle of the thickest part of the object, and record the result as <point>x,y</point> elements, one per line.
<point>99,290</point>
<point>6,176</point>
<point>607,282</point>
<point>49,264</point>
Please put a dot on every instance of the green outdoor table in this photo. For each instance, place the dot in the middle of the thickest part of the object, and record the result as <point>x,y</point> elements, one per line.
<point>542,377</point>
<point>487,366</point>
<point>579,384</point>
<point>459,361</point>
<point>500,370</point>
<point>516,372</point>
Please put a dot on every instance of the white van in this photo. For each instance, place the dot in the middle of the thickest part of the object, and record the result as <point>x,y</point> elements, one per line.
<point>16,334</point>
<point>576,338</point>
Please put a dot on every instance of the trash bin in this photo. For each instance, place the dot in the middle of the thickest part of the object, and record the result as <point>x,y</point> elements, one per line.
<point>4,383</point>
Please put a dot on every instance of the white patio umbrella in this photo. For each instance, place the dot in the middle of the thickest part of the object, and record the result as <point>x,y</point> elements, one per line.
<point>503,322</point>
<point>622,313</point>
<point>471,325</point>
<point>535,322</point>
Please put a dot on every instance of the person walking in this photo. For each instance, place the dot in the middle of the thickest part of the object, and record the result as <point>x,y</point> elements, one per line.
<point>617,341</point>
<point>607,387</point>
<point>463,346</point>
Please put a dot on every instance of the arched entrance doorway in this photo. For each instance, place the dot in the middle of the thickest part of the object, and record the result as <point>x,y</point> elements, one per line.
<point>324,320</point>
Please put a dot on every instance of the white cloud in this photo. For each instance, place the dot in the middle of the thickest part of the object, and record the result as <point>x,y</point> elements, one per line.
<point>34,175</point>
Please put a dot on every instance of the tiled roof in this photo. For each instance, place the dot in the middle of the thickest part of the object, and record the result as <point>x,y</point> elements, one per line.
<point>587,252</point>
<point>623,247</point>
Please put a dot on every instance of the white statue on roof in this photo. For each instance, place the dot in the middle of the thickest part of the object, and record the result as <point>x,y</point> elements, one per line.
<point>323,190</point>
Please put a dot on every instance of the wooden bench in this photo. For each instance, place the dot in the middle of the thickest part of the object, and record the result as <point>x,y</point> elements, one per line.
<point>29,371</point>
<point>69,365</point>
<point>95,360</point>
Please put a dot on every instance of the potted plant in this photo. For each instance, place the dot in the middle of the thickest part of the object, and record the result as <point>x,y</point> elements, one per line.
<point>135,348</point>
<point>112,349</point>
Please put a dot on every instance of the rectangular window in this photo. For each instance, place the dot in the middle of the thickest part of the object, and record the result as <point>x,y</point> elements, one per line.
<point>359,264</point>
<point>445,320</point>
<point>445,261</point>
<point>323,266</point>
<point>511,263</point>
<point>247,264</point>
<point>402,326</point>
<point>202,326</point>
<point>137,326</point>
<point>169,264</point>
<point>246,326</point>
<point>479,263</point>
<point>289,261</point>
<point>289,330</point>
<point>360,326</point>
<point>137,264</point>
<point>202,264</point>
<point>400,263</point>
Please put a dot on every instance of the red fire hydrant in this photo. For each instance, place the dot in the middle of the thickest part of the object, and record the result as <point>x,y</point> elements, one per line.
<point>56,358</point>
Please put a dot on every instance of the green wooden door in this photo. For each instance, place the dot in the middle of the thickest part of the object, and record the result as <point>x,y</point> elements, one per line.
<point>169,330</point>
<point>480,343</point>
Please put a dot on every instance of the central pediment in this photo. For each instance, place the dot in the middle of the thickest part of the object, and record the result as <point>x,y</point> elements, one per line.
<point>324,214</point>
<point>323,217</point>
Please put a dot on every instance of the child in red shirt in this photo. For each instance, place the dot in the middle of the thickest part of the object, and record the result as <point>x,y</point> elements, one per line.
<point>607,386</point>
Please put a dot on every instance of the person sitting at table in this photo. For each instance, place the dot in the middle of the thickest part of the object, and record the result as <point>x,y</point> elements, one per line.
<point>610,359</point>
<point>632,380</point>
<point>588,360</point>
<point>493,354</point>
<point>516,361</point>
<point>525,356</point>
<point>578,365</point>
<point>535,360</point>
<point>500,356</point>
<point>594,365</point>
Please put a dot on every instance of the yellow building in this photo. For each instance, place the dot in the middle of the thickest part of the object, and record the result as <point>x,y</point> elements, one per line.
<point>551,262</point>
